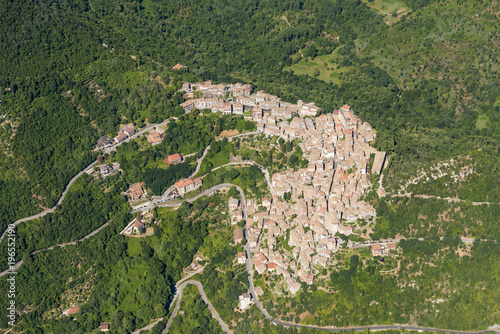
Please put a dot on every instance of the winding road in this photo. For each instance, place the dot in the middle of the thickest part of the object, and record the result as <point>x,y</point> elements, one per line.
<point>18,265</point>
<point>45,212</point>
<point>262,168</point>
<point>205,299</point>
<point>248,251</point>
<point>449,199</point>
<point>136,135</point>
<point>85,170</point>
<point>148,327</point>
<point>148,206</point>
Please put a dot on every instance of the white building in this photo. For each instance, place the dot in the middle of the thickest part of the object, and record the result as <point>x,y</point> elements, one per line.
<point>245,300</point>
<point>242,258</point>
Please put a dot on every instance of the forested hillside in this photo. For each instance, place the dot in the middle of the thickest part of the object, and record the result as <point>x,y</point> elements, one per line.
<point>420,82</point>
<point>71,71</point>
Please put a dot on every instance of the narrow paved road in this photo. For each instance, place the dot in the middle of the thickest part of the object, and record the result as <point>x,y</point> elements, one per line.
<point>248,251</point>
<point>14,268</point>
<point>19,264</point>
<point>200,160</point>
<point>380,328</point>
<point>150,205</point>
<point>262,168</point>
<point>449,199</point>
<point>205,299</point>
<point>148,327</point>
<point>242,135</point>
<point>88,168</point>
<point>43,213</point>
<point>136,135</point>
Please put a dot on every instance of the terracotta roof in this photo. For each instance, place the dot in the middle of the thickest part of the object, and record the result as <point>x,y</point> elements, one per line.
<point>183,183</point>
<point>121,136</point>
<point>238,233</point>
<point>73,310</point>
<point>154,137</point>
<point>175,156</point>
<point>391,245</point>
<point>178,67</point>
<point>129,130</point>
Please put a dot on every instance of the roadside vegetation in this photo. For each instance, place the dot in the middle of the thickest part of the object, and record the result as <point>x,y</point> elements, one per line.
<point>73,71</point>
<point>419,290</point>
<point>329,68</point>
<point>423,217</point>
<point>195,317</point>
<point>132,280</point>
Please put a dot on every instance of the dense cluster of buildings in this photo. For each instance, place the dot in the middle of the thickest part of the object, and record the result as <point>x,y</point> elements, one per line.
<point>239,98</point>
<point>326,196</point>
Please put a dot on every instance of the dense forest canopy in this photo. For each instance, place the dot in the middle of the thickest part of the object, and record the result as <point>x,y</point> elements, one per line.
<point>72,71</point>
<point>420,81</point>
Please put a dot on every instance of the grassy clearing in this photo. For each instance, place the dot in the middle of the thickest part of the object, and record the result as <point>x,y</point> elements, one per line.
<point>321,67</point>
<point>163,210</point>
<point>482,122</point>
<point>497,102</point>
<point>386,8</point>
<point>133,246</point>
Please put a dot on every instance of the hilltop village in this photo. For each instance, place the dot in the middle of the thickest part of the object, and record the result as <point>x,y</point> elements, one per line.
<point>322,199</point>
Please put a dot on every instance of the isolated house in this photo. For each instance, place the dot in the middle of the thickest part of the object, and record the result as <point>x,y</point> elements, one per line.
<point>154,138</point>
<point>376,250</point>
<point>179,67</point>
<point>105,169</point>
<point>173,159</point>
<point>73,310</point>
<point>138,225</point>
<point>136,191</point>
<point>245,300</point>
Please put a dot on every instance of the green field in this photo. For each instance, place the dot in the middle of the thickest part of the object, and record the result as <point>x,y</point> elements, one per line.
<point>133,246</point>
<point>320,67</point>
<point>386,8</point>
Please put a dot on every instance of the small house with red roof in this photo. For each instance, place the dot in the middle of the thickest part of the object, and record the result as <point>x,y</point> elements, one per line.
<point>173,159</point>
<point>179,67</point>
